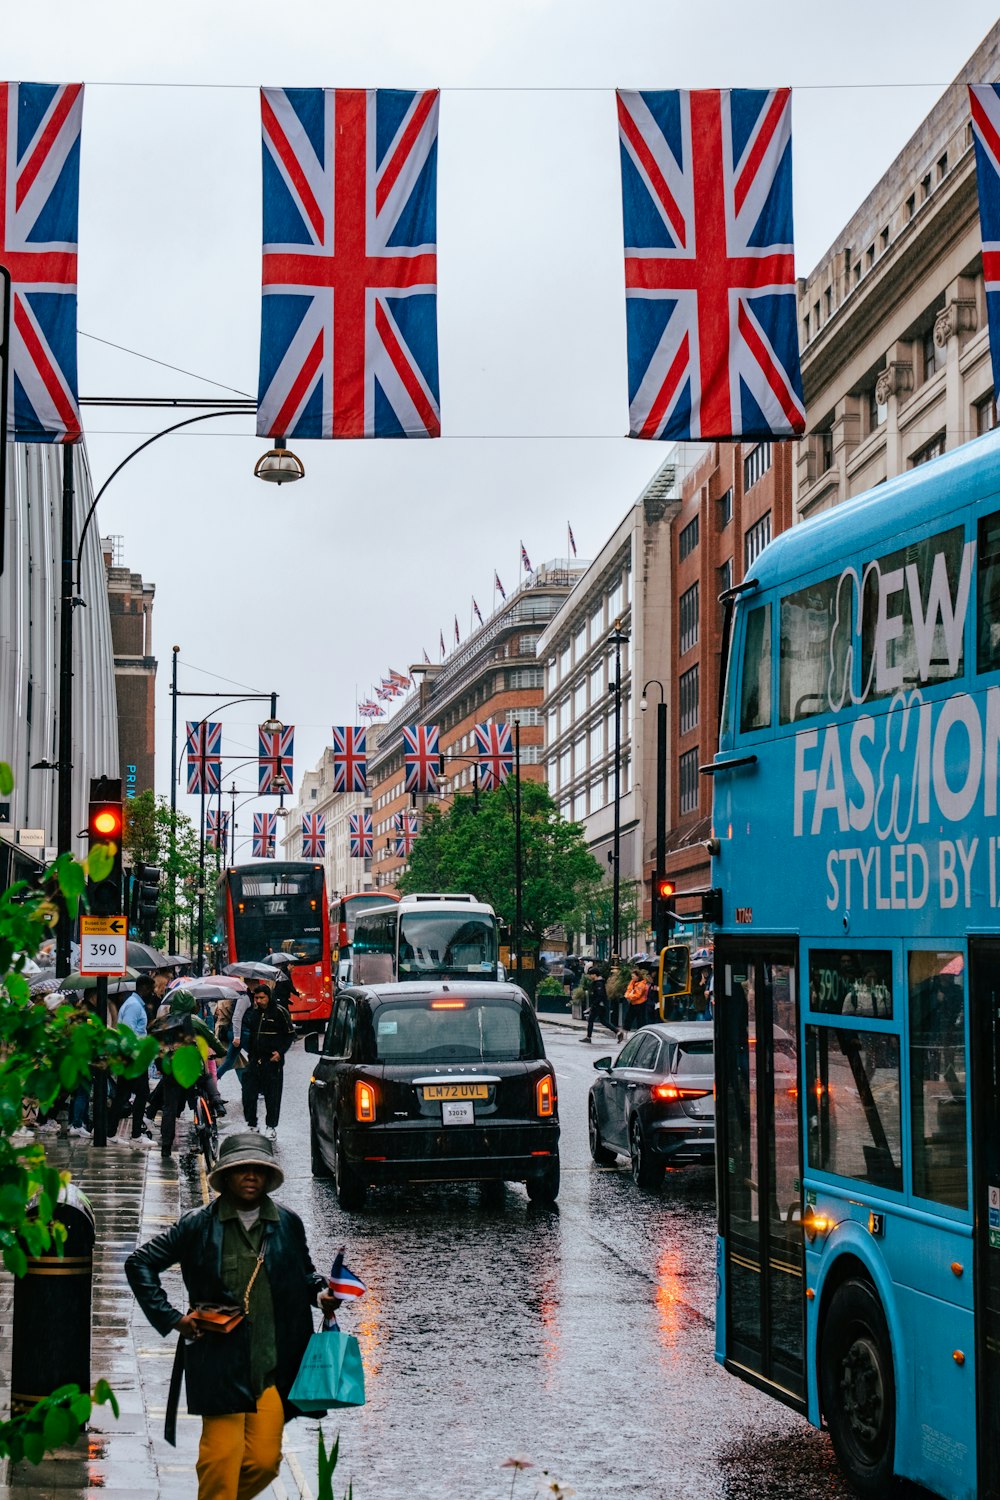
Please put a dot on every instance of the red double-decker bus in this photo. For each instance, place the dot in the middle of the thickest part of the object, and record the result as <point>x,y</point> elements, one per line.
<point>344,915</point>
<point>280,906</point>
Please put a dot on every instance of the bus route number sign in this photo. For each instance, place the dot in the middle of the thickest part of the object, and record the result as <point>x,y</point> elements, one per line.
<point>102,945</point>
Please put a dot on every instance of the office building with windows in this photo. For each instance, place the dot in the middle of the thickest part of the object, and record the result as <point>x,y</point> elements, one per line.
<point>345,874</point>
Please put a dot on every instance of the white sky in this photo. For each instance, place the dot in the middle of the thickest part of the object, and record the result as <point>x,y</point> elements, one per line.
<point>315,590</point>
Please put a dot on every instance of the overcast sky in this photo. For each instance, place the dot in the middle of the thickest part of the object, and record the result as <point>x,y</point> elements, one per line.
<point>316,589</point>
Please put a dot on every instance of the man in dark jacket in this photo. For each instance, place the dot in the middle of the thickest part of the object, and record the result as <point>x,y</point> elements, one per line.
<point>242,1250</point>
<point>265,1037</point>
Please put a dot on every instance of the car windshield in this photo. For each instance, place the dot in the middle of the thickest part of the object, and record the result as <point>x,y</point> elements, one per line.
<point>446,945</point>
<point>695,1057</point>
<point>451,1029</point>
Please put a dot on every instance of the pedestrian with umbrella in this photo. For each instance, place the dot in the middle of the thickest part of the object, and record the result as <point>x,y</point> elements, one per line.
<point>133,1092</point>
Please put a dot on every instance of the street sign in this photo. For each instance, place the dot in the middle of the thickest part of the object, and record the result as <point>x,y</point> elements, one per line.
<point>31,838</point>
<point>102,945</point>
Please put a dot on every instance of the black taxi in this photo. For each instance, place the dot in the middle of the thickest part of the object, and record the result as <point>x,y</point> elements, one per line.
<point>433,1082</point>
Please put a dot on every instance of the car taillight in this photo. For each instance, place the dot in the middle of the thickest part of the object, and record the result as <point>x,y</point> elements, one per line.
<point>671,1091</point>
<point>364,1102</point>
<point>545,1096</point>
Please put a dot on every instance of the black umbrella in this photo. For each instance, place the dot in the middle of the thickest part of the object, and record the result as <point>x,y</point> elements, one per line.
<point>281,959</point>
<point>254,971</point>
<point>144,956</point>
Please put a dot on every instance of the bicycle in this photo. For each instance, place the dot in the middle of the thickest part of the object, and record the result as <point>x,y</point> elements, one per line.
<point>205,1128</point>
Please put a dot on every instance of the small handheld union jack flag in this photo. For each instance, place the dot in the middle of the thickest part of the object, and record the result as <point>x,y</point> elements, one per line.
<point>40,141</point>
<point>313,835</point>
<point>496,755</point>
<point>204,757</point>
<point>360,837</point>
<point>984,100</point>
<point>350,758</point>
<point>274,759</point>
<point>217,830</point>
<point>421,758</point>
<point>711,311</point>
<point>407,828</point>
<point>265,827</point>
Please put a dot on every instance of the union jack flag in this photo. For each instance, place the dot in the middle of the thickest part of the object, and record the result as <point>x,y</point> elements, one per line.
<point>274,758</point>
<point>204,757</point>
<point>385,693</point>
<point>407,828</point>
<point>984,100</point>
<point>525,562</point>
<point>496,755</point>
<point>498,585</point>
<point>475,610</point>
<point>349,286</point>
<point>265,828</point>
<point>420,757</point>
<point>401,680</point>
<point>441,634</point>
<point>40,141</point>
<point>350,758</point>
<point>369,710</point>
<point>709,265</point>
<point>360,839</point>
<point>217,830</point>
<point>313,835</point>
<point>571,539</point>
<point>458,638</point>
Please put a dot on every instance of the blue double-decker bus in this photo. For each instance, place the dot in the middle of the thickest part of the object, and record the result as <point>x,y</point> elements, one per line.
<point>857,978</point>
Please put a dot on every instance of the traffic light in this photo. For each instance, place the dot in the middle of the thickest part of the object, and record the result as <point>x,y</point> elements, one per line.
<point>105,820</point>
<point>664,915</point>
<point>144,906</point>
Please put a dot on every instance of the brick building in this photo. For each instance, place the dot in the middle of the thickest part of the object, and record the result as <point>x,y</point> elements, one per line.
<point>493,676</point>
<point>130,602</point>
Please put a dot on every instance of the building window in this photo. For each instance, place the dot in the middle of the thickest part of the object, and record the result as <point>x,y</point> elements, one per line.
<point>876,411</point>
<point>911,205</point>
<point>756,465</point>
<point>985,411</point>
<point>687,781</point>
<point>805,329</point>
<point>689,700</point>
<point>688,540</point>
<point>816,320</point>
<point>857,273</point>
<point>725,575</point>
<point>615,598</point>
<point>596,740</point>
<point>530,718</point>
<point>828,299</point>
<point>689,618</point>
<point>884,239</point>
<point>869,257</point>
<point>826,450</point>
<point>929,353</point>
<point>565,661</point>
<point>756,540</point>
<point>580,699</point>
<point>524,677</point>
<point>725,509</point>
<point>933,449</point>
<point>925,188</point>
<point>942,167</point>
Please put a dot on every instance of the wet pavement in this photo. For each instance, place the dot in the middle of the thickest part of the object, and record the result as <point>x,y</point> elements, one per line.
<point>578,1338</point>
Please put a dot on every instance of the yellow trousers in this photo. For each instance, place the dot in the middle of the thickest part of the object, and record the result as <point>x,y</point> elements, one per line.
<point>240,1454</point>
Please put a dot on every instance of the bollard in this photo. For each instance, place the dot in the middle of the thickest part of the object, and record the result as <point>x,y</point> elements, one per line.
<point>50,1344</point>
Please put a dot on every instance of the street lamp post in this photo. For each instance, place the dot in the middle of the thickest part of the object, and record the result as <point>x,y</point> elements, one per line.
<point>617,638</point>
<point>661,794</point>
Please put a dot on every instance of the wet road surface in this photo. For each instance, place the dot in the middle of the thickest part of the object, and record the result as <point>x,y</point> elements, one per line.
<point>579,1338</point>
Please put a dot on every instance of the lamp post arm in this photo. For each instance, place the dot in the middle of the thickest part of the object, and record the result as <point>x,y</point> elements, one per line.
<point>204,417</point>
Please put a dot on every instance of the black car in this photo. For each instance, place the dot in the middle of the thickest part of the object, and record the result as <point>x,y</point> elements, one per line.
<point>654,1102</point>
<point>433,1083</point>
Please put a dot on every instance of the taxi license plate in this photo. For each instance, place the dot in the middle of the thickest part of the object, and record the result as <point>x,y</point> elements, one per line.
<point>436,1091</point>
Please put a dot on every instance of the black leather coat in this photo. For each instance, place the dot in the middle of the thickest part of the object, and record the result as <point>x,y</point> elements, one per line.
<point>217,1366</point>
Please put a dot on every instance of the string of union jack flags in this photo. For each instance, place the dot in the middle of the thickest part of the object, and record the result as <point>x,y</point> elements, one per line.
<point>349,346</point>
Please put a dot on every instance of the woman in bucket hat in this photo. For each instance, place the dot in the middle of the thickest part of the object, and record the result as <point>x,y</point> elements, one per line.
<point>247,1252</point>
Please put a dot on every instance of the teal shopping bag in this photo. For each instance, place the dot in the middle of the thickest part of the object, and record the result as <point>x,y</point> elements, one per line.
<point>331,1373</point>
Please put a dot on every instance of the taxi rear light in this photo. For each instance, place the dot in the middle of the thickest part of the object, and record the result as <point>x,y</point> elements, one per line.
<point>447,1005</point>
<point>545,1096</point>
<point>364,1102</point>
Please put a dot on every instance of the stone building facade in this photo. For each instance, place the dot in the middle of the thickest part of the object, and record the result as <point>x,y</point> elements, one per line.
<point>130,604</point>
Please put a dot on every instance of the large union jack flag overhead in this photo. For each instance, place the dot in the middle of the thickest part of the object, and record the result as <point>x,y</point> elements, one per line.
<point>349,308</point>
<point>360,838</point>
<point>496,754</point>
<point>265,828</point>
<point>709,265</point>
<point>350,758</point>
<point>984,100</point>
<point>40,141</point>
<point>217,830</point>
<point>275,758</point>
<point>421,757</point>
<point>204,757</point>
<point>313,835</point>
<point>407,828</point>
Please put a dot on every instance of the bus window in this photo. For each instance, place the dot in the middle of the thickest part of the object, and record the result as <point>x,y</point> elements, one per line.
<point>851,982</point>
<point>897,651</point>
<point>988,593</point>
<point>755,691</point>
<point>853,1105</point>
<point>815,655</point>
<point>937,1077</point>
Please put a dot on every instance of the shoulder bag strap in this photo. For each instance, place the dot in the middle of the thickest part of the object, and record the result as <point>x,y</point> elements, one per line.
<point>174,1394</point>
<point>253,1278</point>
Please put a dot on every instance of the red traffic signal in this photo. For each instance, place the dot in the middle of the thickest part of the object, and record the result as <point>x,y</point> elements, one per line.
<point>665,889</point>
<point>105,823</point>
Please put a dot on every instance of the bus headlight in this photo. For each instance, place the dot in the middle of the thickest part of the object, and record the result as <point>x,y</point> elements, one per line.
<point>815,1224</point>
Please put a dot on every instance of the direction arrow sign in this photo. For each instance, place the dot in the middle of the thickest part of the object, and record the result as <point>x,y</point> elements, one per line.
<point>102,926</point>
<point>102,945</point>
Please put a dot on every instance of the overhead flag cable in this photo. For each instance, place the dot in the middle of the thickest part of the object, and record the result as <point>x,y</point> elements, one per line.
<point>348,342</point>
<point>711,311</point>
<point>984,101</point>
<point>204,757</point>
<point>421,758</point>
<point>350,758</point>
<point>275,759</point>
<point>360,837</point>
<point>39,209</point>
<point>313,835</point>
<point>265,828</point>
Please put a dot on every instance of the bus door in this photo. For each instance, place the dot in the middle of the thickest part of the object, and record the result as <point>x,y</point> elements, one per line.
<point>759,1162</point>
<point>984,1020</point>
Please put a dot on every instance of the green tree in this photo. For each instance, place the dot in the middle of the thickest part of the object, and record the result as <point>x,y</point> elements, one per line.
<point>148,821</point>
<point>600,916</point>
<point>465,849</point>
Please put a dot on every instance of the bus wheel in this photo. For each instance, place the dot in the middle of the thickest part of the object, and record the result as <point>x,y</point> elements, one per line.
<point>351,1191</point>
<point>858,1387</point>
<point>647,1172</point>
<point>319,1166</point>
<point>598,1150</point>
